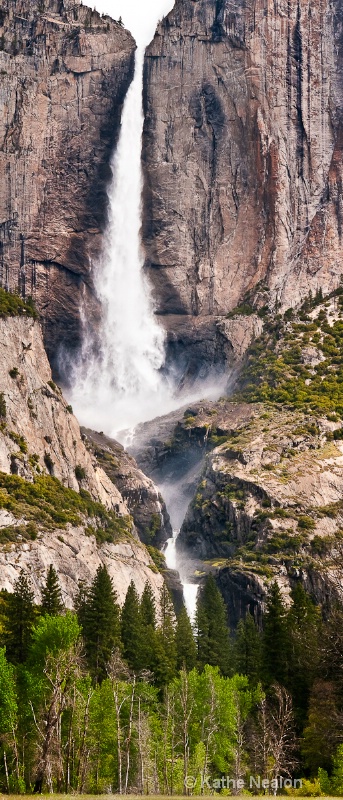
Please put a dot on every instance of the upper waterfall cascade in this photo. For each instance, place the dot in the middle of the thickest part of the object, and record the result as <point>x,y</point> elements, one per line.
<point>121,382</point>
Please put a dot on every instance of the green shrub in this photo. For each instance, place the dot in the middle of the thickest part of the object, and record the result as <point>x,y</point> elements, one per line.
<point>245,309</point>
<point>3,409</point>
<point>49,463</point>
<point>157,557</point>
<point>13,373</point>
<point>80,473</point>
<point>19,440</point>
<point>306,523</point>
<point>11,305</point>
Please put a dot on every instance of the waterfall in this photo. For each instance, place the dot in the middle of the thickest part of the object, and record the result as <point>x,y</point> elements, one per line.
<point>122,383</point>
<point>118,381</point>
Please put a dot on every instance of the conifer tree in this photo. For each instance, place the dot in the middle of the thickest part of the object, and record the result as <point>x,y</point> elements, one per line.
<point>275,638</point>
<point>247,649</point>
<point>148,629</point>
<point>20,618</point>
<point>131,629</point>
<point>213,642</point>
<point>165,655</point>
<point>99,615</point>
<point>148,607</point>
<point>52,603</point>
<point>303,623</point>
<point>185,643</point>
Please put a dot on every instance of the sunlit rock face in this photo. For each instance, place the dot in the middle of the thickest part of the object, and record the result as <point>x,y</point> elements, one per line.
<point>64,75</point>
<point>242,156</point>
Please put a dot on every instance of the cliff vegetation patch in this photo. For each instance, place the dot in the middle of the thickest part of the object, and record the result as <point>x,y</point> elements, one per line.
<point>11,305</point>
<point>48,505</point>
<point>298,360</point>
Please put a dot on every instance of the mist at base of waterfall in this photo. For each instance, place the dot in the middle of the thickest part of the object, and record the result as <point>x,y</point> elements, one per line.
<point>103,407</point>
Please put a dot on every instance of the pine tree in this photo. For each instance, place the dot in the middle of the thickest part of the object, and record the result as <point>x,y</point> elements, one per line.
<point>165,655</point>
<point>185,644</point>
<point>247,649</point>
<point>148,629</point>
<point>303,621</point>
<point>52,603</point>
<point>213,642</point>
<point>20,619</point>
<point>148,607</point>
<point>275,638</point>
<point>99,615</point>
<point>131,629</point>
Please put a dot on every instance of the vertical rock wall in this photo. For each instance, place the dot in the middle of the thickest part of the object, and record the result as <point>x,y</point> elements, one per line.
<point>64,73</point>
<point>243,160</point>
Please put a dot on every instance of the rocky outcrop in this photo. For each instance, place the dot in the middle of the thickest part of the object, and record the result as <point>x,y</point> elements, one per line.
<point>64,72</point>
<point>76,557</point>
<point>39,433</point>
<point>270,506</point>
<point>243,164</point>
<point>143,499</point>
<point>40,440</point>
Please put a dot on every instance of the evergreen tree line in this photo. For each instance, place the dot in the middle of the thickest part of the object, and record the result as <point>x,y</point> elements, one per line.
<point>107,699</point>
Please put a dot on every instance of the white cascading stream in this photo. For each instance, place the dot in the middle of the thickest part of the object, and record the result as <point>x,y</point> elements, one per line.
<point>122,382</point>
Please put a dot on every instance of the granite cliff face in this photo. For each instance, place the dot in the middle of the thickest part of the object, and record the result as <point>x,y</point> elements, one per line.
<point>243,163</point>
<point>42,457</point>
<point>64,75</point>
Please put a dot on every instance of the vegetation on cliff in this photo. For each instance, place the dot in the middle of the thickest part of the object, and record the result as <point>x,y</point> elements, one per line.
<point>45,504</point>
<point>12,305</point>
<point>298,360</point>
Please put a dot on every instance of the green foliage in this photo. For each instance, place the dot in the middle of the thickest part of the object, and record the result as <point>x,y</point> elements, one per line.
<point>131,629</point>
<point>248,650</point>
<point>212,632</point>
<point>306,523</point>
<point>322,729</point>
<point>244,310</point>
<point>3,409</point>
<point>49,504</point>
<point>8,696</point>
<point>106,727</point>
<point>53,635</point>
<point>80,473</point>
<point>275,638</point>
<point>304,630</point>
<point>165,655</point>
<point>11,305</point>
<point>154,528</point>
<point>157,557</point>
<point>52,603</point>
<point>19,620</point>
<point>185,643</point>
<point>99,616</point>
<point>337,774</point>
<point>20,441</point>
<point>276,371</point>
<point>14,372</point>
